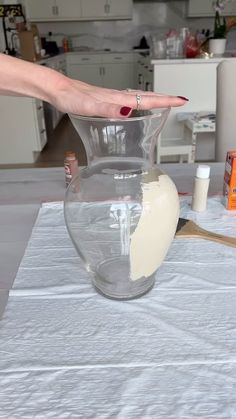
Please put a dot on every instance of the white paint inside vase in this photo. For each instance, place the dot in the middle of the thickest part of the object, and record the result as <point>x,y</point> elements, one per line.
<point>156,227</point>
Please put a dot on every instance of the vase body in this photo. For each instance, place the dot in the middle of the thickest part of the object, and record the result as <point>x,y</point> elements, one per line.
<point>121,211</point>
<point>217,47</point>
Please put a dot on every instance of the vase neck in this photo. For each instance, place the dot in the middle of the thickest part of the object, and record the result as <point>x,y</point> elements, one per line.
<point>132,139</point>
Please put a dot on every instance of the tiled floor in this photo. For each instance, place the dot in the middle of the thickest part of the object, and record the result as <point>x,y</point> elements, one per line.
<point>64,138</point>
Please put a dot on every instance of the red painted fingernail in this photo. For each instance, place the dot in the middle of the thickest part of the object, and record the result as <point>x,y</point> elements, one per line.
<point>182,97</point>
<point>125,110</point>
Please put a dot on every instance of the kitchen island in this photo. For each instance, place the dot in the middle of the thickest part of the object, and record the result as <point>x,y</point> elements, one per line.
<point>196,80</point>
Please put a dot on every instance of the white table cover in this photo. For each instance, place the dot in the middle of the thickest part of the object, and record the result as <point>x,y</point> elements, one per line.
<point>68,352</point>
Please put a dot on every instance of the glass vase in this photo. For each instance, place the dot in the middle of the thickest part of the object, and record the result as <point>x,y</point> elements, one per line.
<point>121,211</point>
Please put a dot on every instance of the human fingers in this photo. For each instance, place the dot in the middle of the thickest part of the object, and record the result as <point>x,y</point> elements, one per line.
<point>123,110</point>
<point>148,100</point>
<point>145,101</point>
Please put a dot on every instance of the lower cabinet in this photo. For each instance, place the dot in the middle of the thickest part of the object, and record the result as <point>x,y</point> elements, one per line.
<point>114,71</point>
<point>23,131</point>
<point>53,115</point>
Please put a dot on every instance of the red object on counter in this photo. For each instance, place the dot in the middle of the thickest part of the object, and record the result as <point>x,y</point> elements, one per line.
<point>65,44</point>
<point>192,46</point>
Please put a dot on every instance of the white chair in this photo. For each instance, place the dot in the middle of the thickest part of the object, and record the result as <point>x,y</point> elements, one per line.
<point>225,108</point>
<point>182,148</point>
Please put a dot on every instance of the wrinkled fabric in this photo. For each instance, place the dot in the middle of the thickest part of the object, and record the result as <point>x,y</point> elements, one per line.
<point>68,352</point>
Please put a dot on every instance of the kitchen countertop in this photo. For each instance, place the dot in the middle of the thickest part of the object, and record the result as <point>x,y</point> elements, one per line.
<point>47,58</point>
<point>155,61</point>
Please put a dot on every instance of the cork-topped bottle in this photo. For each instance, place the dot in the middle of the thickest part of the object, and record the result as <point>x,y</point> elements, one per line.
<point>71,166</point>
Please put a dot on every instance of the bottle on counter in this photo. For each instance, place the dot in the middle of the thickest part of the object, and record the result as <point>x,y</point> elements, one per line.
<point>201,186</point>
<point>71,166</point>
<point>65,44</point>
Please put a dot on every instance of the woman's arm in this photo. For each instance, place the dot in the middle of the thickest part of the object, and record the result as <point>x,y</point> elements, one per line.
<point>19,77</point>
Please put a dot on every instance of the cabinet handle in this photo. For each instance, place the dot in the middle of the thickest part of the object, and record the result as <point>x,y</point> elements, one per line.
<point>107,8</point>
<point>118,58</point>
<point>85,59</point>
<point>140,78</point>
<point>39,108</point>
<point>43,131</point>
<point>54,10</point>
<point>103,71</point>
<point>57,10</point>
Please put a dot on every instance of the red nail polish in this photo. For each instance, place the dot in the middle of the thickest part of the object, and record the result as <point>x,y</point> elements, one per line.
<point>125,110</point>
<point>182,97</point>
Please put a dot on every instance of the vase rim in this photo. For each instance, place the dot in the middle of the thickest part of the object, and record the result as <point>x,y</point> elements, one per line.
<point>151,115</point>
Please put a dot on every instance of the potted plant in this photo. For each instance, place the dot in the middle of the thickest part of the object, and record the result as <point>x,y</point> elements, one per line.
<point>222,26</point>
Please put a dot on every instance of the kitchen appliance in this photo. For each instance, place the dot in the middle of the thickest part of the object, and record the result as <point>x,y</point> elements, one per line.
<point>50,47</point>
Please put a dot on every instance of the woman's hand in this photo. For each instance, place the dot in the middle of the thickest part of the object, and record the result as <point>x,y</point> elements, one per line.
<point>19,77</point>
<point>76,97</point>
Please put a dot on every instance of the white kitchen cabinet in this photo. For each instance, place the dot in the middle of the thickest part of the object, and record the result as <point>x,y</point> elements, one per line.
<point>53,115</point>
<point>144,74</point>
<point>59,10</point>
<point>23,132</point>
<point>87,68</point>
<point>107,70</point>
<point>89,73</point>
<point>69,9</point>
<point>201,8</point>
<point>107,9</point>
<point>39,10</point>
<point>52,10</point>
<point>118,76</point>
<point>118,71</point>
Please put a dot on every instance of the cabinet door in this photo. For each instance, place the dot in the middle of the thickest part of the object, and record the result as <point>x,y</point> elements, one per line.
<point>118,76</point>
<point>90,73</point>
<point>50,10</point>
<point>94,9</point>
<point>233,11</point>
<point>107,9</point>
<point>121,8</point>
<point>43,10</point>
<point>69,9</point>
<point>205,8</point>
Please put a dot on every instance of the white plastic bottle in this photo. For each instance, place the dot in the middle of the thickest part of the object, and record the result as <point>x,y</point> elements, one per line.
<point>201,186</point>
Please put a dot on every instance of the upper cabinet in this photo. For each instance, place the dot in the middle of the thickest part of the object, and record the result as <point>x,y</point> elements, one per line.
<point>107,9</point>
<point>40,10</point>
<point>50,10</point>
<point>56,10</point>
<point>201,8</point>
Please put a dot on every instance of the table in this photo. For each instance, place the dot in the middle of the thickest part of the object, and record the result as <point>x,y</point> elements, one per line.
<point>23,190</point>
<point>67,352</point>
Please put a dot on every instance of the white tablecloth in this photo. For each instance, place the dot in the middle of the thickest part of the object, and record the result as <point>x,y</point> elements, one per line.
<point>67,352</point>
